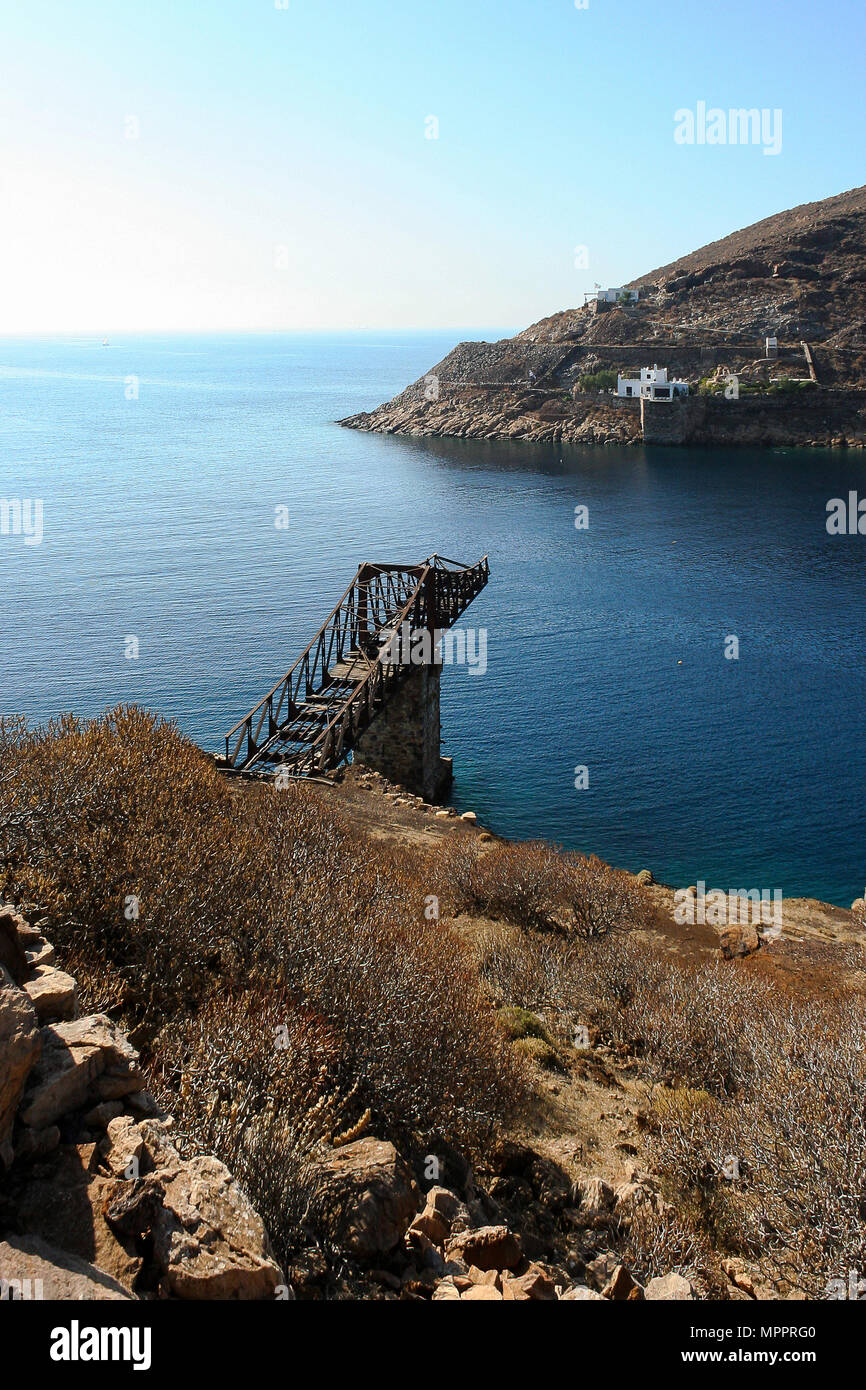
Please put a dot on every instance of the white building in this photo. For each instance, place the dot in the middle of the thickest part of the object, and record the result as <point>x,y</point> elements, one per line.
<point>613,296</point>
<point>652,385</point>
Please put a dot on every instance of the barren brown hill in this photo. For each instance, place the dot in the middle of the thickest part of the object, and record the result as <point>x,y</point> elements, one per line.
<point>799,276</point>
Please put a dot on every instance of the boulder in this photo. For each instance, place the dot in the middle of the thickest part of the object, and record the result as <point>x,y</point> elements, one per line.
<point>671,1286</point>
<point>487,1247</point>
<point>205,1239</point>
<point>86,1060</point>
<point>431,1224</point>
<point>595,1198</point>
<point>20,1047</point>
<point>581,1294</point>
<point>124,1147</point>
<point>63,1276</point>
<point>65,1207</point>
<point>481,1293</point>
<point>621,1286</point>
<point>737,941</point>
<point>52,994</point>
<point>40,952</point>
<point>366,1197</point>
<point>209,1243</point>
<point>535,1284</point>
<point>445,1203</point>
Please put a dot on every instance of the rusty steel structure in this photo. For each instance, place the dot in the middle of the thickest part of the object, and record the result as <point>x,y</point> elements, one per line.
<point>310,721</point>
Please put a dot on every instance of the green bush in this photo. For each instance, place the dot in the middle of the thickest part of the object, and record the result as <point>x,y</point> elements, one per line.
<point>597,381</point>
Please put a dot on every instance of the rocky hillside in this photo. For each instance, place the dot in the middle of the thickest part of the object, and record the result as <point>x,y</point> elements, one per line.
<point>350,1045</point>
<point>799,276</point>
<point>96,1201</point>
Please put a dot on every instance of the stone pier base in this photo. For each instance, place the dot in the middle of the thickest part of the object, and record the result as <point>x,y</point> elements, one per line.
<point>403,741</point>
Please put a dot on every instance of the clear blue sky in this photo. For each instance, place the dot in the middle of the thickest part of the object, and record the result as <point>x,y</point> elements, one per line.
<point>280,176</point>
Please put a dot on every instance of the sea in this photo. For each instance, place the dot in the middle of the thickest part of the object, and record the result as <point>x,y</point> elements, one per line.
<point>675,644</point>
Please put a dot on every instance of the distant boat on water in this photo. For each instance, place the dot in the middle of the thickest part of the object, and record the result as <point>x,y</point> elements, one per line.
<point>105,342</point>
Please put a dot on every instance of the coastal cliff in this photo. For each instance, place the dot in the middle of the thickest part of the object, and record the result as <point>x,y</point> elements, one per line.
<point>798,277</point>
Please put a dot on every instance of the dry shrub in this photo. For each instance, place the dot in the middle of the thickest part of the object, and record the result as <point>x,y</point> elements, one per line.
<point>245,893</point>
<point>253,1077</point>
<point>536,885</point>
<point>758,1103</point>
<point>661,1240</point>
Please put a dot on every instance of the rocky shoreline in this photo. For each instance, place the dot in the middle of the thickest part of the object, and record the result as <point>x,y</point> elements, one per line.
<point>827,420</point>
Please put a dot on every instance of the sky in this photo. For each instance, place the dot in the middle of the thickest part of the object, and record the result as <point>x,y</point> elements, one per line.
<point>329,165</point>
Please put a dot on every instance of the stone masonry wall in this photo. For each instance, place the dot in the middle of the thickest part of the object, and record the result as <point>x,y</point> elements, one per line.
<point>403,742</point>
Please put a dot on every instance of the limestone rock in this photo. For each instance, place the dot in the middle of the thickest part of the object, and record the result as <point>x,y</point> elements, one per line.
<point>481,1293</point>
<point>65,1207</point>
<point>40,952</point>
<point>579,1293</point>
<point>672,1286</point>
<point>431,1224</point>
<point>20,1046</point>
<point>621,1286</point>
<point>76,1058</point>
<point>52,993</point>
<point>125,1147</point>
<point>367,1197</point>
<point>487,1247</point>
<point>536,1284</point>
<point>63,1276</point>
<point>738,941</point>
<point>208,1240</point>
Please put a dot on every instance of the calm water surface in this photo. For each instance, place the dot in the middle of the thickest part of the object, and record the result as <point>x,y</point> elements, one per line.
<point>605,646</point>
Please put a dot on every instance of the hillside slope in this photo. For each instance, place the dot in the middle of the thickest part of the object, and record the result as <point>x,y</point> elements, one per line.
<point>799,276</point>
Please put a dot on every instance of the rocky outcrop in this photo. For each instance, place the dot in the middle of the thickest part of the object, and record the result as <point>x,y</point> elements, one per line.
<point>83,1062</point>
<point>97,1200</point>
<point>366,1197</point>
<point>20,1046</point>
<point>799,276</point>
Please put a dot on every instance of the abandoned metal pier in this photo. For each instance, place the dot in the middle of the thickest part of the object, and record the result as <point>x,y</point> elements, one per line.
<point>352,690</point>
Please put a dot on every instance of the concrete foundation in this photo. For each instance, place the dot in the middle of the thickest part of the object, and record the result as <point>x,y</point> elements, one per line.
<point>403,741</point>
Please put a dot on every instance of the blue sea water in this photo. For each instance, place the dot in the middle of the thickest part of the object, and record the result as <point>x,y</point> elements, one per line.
<point>160,462</point>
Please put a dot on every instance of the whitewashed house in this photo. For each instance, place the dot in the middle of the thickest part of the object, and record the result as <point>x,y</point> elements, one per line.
<point>613,296</point>
<point>652,385</point>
